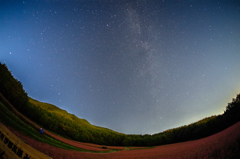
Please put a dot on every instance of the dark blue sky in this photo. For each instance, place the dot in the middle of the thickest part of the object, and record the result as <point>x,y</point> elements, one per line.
<point>131,66</point>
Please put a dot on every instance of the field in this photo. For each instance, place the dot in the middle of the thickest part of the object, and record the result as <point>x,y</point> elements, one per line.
<point>225,144</point>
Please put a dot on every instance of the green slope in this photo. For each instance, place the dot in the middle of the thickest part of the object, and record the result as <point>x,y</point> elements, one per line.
<point>70,126</point>
<point>9,118</point>
<point>59,112</point>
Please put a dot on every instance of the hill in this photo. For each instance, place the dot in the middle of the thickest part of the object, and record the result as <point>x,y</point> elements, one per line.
<point>225,144</point>
<point>68,125</point>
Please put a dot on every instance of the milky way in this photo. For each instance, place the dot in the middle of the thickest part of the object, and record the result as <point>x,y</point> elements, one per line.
<point>131,66</point>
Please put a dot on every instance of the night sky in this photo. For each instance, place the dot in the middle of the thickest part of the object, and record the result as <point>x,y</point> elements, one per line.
<point>135,67</point>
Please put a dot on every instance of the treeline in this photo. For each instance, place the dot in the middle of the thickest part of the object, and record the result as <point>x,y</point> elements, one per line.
<point>197,130</point>
<point>12,89</point>
<point>68,125</point>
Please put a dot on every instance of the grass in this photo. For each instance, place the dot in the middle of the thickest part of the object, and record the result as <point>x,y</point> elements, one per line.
<point>59,112</point>
<point>9,118</point>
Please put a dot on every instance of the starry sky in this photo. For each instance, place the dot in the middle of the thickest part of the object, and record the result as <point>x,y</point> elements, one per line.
<point>134,66</point>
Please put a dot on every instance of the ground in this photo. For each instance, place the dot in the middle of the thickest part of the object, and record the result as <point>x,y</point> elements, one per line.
<point>220,145</point>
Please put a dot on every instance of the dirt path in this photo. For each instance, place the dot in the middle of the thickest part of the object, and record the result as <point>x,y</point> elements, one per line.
<point>215,146</point>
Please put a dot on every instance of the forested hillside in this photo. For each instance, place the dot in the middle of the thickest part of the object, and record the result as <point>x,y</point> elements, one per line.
<point>68,125</point>
<point>12,89</point>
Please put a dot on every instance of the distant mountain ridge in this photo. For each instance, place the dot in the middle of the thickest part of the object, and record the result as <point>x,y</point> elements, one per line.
<point>68,125</point>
